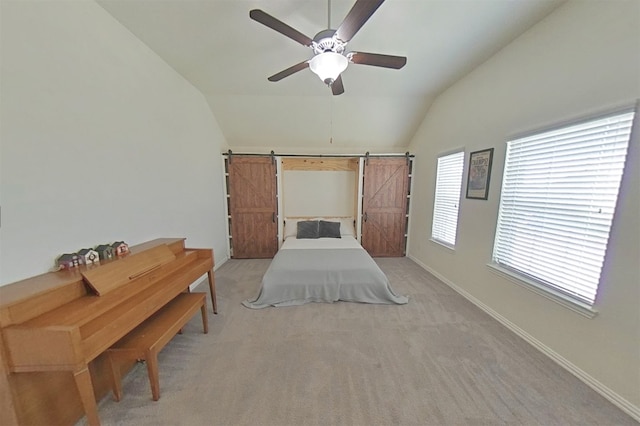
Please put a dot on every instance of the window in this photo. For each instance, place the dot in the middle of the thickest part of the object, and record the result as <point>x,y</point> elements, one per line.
<point>447,198</point>
<point>559,193</point>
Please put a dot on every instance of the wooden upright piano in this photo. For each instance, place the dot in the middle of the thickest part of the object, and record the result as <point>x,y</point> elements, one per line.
<point>56,326</point>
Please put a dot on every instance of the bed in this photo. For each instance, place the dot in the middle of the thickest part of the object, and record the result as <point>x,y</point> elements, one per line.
<point>323,269</point>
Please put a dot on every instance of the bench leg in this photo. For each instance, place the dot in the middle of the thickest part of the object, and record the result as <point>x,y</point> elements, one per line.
<point>85,388</point>
<point>152,371</point>
<point>212,289</point>
<point>116,383</point>
<point>205,321</point>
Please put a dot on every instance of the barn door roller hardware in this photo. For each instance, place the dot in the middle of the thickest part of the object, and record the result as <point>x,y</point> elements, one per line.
<point>366,156</point>
<point>229,153</point>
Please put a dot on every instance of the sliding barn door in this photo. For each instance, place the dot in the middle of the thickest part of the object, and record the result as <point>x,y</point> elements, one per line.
<point>253,207</point>
<point>384,206</point>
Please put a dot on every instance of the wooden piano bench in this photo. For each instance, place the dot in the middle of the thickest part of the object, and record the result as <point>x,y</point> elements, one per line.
<point>147,340</point>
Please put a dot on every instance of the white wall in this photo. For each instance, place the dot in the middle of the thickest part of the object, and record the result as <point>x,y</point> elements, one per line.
<point>101,140</point>
<point>319,193</point>
<point>582,59</point>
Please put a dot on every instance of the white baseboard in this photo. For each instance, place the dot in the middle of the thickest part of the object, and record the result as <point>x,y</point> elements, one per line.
<point>603,390</point>
<point>220,262</point>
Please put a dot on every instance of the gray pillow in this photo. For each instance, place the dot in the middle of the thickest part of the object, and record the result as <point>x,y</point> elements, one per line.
<point>329,229</point>
<point>308,229</point>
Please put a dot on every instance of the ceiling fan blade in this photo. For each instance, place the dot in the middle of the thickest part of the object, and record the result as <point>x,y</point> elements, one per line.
<point>336,87</point>
<point>291,70</point>
<point>377,60</point>
<point>355,19</point>
<point>279,26</point>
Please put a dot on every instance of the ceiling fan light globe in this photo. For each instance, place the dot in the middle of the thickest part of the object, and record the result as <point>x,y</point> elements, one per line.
<point>328,66</point>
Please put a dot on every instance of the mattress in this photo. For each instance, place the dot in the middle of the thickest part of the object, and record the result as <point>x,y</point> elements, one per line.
<point>323,270</point>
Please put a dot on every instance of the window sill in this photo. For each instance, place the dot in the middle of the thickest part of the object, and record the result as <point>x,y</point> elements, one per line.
<point>559,298</point>
<point>443,245</point>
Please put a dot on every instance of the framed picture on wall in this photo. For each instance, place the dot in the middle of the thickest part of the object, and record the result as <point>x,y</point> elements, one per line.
<point>479,174</point>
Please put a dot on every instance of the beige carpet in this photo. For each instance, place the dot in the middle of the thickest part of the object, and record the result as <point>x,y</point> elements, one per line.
<point>438,360</point>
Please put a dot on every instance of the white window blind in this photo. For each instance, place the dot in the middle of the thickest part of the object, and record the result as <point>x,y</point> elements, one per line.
<point>447,198</point>
<point>558,197</point>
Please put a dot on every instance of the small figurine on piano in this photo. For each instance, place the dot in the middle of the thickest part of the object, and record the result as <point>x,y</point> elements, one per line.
<point>88,256</point>
<point>105,252</point>
<point>120,248</point>
<point>68,261</point>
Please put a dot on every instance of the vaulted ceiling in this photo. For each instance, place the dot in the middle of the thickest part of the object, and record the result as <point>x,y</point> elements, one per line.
<point>228,57</point>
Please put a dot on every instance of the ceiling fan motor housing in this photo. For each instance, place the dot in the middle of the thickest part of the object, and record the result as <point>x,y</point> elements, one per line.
<point>325,41</point>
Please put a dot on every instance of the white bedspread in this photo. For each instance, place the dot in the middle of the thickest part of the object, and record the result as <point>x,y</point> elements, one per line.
<point>321,243</point>
<point>323,270</point>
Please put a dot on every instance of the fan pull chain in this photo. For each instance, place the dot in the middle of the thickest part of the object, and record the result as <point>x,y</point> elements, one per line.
<point>331,120</point>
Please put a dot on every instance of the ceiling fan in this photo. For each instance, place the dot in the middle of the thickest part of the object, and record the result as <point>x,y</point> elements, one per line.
<point>330,57</point>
